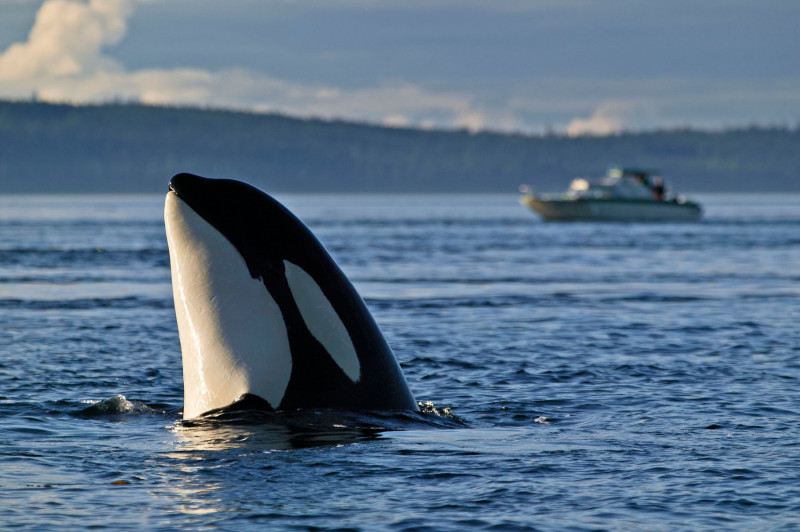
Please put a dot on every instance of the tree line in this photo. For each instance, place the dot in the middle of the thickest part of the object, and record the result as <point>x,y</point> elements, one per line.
<point>129,147</point>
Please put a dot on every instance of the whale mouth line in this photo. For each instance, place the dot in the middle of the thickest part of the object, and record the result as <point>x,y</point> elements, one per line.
<point>175,186</point>
<point>173,189</point>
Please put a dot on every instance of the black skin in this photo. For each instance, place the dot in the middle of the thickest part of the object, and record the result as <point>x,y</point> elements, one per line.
<point>265,233</point>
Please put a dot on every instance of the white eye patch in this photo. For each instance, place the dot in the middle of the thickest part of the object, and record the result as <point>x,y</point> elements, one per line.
<point>322,320</point>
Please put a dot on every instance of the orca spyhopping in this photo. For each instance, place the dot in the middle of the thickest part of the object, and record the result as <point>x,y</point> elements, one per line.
<point>263,310</point>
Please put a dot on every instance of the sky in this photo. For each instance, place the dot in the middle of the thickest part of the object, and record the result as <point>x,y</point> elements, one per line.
<point>580,67</point>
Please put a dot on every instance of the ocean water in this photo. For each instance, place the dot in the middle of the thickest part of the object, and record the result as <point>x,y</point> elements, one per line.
<point>574,376</point>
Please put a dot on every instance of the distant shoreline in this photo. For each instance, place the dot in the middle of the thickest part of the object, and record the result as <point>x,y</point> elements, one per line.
<point>134,149</point>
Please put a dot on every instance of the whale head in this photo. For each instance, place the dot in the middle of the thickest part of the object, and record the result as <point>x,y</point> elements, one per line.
<point>264,311</point>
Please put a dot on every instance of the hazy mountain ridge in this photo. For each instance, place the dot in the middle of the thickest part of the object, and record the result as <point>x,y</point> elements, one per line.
<point>136,148</point>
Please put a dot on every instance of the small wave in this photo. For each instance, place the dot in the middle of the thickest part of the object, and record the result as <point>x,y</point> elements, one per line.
<point>86,303</point>
<point>408,223</point>
<point>114,406</point>
<point>499,301</point>
<point>440,416</point>
<point>68,278</point>
<point>96,257</point>
<point>654,298</point>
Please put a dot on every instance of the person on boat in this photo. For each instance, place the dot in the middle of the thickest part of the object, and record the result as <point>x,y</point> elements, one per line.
<point>658,189</point>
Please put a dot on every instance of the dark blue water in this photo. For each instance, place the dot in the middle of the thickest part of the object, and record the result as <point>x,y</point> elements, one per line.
<point>577,376</point>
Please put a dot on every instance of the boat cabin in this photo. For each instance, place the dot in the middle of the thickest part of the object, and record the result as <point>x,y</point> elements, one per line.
<point>619,183</point>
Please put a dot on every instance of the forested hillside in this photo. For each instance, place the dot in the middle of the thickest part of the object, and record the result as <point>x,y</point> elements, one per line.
<point>135,148</point>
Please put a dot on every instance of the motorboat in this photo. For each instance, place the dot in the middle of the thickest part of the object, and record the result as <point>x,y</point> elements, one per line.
<point>623,195</point>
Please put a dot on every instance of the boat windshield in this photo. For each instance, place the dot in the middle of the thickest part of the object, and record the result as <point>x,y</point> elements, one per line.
<point>623,186</point>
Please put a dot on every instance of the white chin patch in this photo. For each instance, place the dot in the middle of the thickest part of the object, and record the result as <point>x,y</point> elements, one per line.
<point>232,333</point>
<point>322,320</point>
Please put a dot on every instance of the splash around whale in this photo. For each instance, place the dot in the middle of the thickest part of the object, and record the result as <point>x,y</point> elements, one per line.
<point>263,311</point>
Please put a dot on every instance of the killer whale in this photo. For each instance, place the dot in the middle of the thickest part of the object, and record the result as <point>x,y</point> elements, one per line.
<point>264,312</point>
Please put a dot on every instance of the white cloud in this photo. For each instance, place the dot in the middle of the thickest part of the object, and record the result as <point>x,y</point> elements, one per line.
<point>471,121</point>
<point>609,118</point>
<point>395,121</point>
<point>66,40</point>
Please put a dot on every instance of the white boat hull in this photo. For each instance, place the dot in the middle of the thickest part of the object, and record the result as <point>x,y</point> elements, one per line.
<point>619,210</point>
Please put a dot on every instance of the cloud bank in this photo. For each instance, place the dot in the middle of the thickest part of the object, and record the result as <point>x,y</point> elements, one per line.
<point>63,61</point>
<point>464,78</point>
